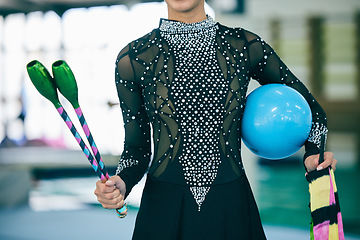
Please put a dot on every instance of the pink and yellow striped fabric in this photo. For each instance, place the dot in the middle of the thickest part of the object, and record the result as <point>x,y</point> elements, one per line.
<point>326,217</point>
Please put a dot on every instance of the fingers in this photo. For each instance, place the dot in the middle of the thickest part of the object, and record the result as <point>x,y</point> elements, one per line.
<point>110,200</point>
<point>112,181</point>
<point>328,161</point>
<point>103,187</point>
<point>312,162</point>
<point>112,203</point>
<point>333,165</point>
<point>108,195</point>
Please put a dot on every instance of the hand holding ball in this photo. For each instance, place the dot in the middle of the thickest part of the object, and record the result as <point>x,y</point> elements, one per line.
<point>276,121</point>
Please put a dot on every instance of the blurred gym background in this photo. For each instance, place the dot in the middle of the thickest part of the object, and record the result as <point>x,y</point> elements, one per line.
<point>46,183</point>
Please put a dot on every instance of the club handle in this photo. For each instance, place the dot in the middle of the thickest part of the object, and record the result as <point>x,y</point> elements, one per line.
<point>122,212</point>
<point>322,148</point>
<point>81,143</point>
<point>91,140</point>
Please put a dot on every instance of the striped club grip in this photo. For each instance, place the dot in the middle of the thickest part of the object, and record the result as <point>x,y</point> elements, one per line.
<point>81,143</point>
<point>91,140</point>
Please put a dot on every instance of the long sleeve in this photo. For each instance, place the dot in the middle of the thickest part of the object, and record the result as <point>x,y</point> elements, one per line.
<point>267,67</point>
<point>135,157</point>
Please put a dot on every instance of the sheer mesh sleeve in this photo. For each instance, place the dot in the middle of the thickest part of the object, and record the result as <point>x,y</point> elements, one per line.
<point>135,158</point>
<point>267,67</point>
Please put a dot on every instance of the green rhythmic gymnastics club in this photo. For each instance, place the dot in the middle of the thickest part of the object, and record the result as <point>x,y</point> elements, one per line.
<point>47,87</point>
<point>43,82</point>
<point>65,82</point>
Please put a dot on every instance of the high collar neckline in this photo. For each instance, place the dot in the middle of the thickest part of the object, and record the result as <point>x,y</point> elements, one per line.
<point>173,26</point>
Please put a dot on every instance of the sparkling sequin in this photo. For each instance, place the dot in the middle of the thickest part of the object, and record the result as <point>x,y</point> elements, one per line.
<point>317,130</point>
<point>125,163</point>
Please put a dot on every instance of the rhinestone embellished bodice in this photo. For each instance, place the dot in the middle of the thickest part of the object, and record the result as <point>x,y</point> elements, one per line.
<point>198,92</point>
<point>189,81</point>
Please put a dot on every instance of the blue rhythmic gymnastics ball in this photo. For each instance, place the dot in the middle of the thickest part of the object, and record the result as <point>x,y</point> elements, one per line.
<point>276,121</point>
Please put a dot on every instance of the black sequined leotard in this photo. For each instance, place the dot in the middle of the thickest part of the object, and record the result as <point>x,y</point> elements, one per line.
<point>189,82</point>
